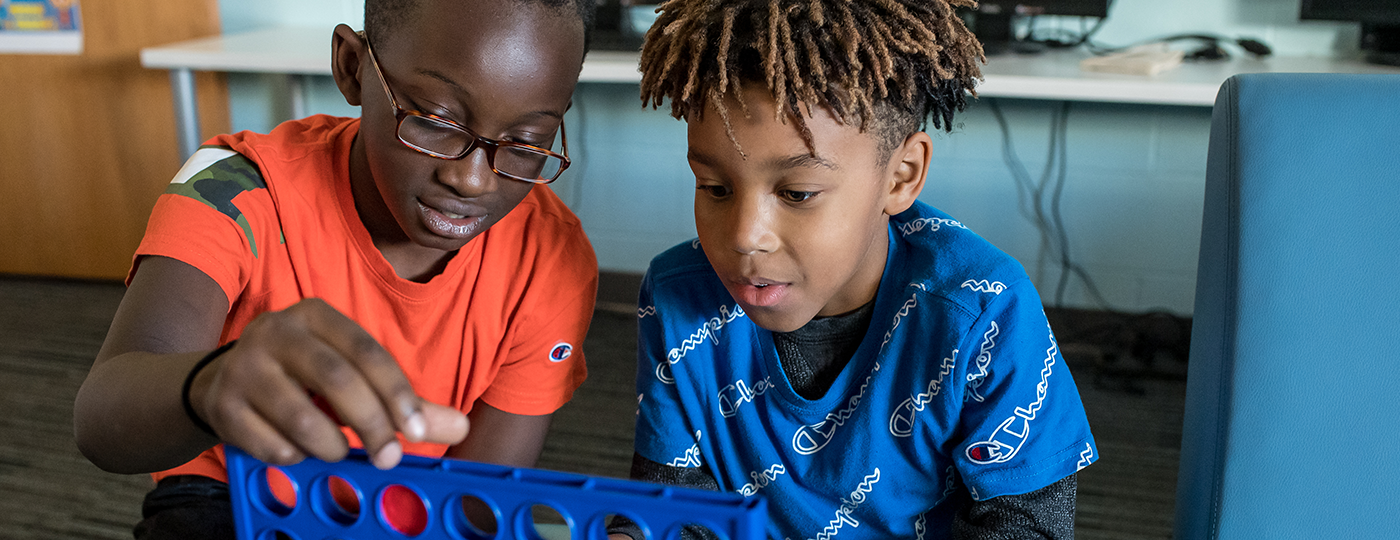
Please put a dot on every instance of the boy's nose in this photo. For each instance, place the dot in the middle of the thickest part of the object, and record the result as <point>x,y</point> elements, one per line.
<point>752,229</point>
<point>470,176</point>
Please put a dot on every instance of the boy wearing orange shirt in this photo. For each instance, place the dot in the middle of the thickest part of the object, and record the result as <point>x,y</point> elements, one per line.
<point>383,281</point>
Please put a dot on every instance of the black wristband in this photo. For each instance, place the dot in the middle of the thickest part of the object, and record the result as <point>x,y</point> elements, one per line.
<point>189,381</point>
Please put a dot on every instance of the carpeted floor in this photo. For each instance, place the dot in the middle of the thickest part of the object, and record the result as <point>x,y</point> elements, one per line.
<point>51,329</point>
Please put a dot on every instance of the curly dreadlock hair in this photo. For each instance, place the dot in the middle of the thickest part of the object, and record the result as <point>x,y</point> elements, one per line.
<point>883,65</point>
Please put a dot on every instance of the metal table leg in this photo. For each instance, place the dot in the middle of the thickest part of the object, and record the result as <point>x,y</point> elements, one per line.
<point>186,113</point>
<point>296,86</point>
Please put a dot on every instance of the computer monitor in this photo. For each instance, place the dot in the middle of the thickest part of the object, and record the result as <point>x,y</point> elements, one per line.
<point>1380,24</point>
<point>994,20</point>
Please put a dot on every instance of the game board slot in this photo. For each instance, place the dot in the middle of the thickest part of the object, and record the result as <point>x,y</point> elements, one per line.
<point>403,509</point>
<point>276,491</point>
<point>598,528</point>
<point>472,518</point>
<point>543,521</point>
<point>337,500</point>
<point>697,530</point>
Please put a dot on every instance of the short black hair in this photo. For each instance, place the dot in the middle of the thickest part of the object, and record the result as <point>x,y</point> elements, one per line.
<point>382,16</point>
<point>886,66</point>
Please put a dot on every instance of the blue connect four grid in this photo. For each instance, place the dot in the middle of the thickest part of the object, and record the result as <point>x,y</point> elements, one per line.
<point>584,502</point>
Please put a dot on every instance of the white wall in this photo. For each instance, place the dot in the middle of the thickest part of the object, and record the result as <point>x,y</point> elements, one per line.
<point>1273,21</point>
<point>1132,203</point>
<point>259,102</point>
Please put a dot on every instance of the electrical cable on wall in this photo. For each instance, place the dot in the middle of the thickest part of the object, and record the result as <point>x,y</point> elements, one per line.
<point>1034,205</point>
<point>1055,214</point>
<point>1210,47</point>
<point>1026,199</point>
<point>1064,40</point>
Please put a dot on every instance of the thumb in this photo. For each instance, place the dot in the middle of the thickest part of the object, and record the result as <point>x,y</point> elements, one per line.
<point>440,424</point>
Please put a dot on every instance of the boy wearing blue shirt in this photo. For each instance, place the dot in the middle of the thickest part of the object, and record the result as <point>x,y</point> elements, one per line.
<point>859,358</point>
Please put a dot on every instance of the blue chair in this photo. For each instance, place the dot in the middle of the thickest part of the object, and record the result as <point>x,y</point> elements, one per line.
<point>1292,425</point>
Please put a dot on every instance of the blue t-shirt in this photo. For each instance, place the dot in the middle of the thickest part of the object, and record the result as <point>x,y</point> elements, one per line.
<point>957,390</point>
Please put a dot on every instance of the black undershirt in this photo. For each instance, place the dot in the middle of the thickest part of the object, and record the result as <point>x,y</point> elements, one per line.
<point>814,355</point>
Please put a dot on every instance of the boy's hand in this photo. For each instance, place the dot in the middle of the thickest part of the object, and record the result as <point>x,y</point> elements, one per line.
<point>255,395</point>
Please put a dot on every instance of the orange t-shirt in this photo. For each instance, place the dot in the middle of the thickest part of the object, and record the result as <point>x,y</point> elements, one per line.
<point>270,217</point>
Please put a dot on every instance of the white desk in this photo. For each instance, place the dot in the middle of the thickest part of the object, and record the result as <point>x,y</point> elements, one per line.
<point>1056,76</point>
<point>298,52</point>
<point>303,52</point>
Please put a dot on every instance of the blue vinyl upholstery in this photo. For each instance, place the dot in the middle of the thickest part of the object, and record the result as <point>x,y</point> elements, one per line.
<point>1292,425</point>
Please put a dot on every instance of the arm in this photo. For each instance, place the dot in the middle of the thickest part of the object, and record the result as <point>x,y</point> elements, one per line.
<point>647,470</point>
<point>128,416</point>
<point>502,438</point>
<point>661,424</point>
<point>1045,513</point>
<point>1019,368</point>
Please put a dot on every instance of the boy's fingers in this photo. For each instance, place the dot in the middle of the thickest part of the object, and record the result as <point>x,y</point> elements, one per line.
<point>365,386</point>
<point>259,439</point>
<point>326,372</point>
<point>444,425</point>
<point>254,405</point>
<point>388,456</point>
<point>287,409</point>
<point>379,370</point>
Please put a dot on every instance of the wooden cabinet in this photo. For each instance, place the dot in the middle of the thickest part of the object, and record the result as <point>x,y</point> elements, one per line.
<point>87,142</point>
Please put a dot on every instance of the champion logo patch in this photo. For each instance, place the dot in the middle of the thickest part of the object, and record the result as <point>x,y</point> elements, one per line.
<point>561,352</point>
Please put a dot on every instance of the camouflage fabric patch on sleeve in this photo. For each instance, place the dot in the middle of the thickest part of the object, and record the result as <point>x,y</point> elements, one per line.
<point>215,176</point>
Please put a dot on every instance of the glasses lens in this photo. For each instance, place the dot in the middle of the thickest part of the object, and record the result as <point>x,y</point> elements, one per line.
<point>527,164</point>
<point>434,136</point>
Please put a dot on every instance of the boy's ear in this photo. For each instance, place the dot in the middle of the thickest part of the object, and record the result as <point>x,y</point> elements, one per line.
<point>348,54</point>
<point>907,168</point>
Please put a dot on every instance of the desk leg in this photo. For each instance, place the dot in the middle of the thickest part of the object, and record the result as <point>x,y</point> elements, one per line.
<point>186,113</point>
<point>296,86</point>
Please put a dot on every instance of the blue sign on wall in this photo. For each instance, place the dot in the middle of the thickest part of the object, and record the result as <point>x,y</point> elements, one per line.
<point>40,27</point>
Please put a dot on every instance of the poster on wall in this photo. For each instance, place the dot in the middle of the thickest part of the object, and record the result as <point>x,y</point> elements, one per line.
<point>40,27</point>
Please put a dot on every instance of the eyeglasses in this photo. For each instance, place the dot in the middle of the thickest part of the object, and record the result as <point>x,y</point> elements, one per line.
<point>445,139</point>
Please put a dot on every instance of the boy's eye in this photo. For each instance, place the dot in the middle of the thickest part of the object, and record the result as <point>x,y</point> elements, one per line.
<point>539,142</point>
<point>796,196</point>
<point>430,108</point>
<point>717,192</point>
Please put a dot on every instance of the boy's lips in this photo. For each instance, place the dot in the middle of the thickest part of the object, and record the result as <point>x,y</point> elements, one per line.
<point>451,224</point>
<point>759,292</point>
